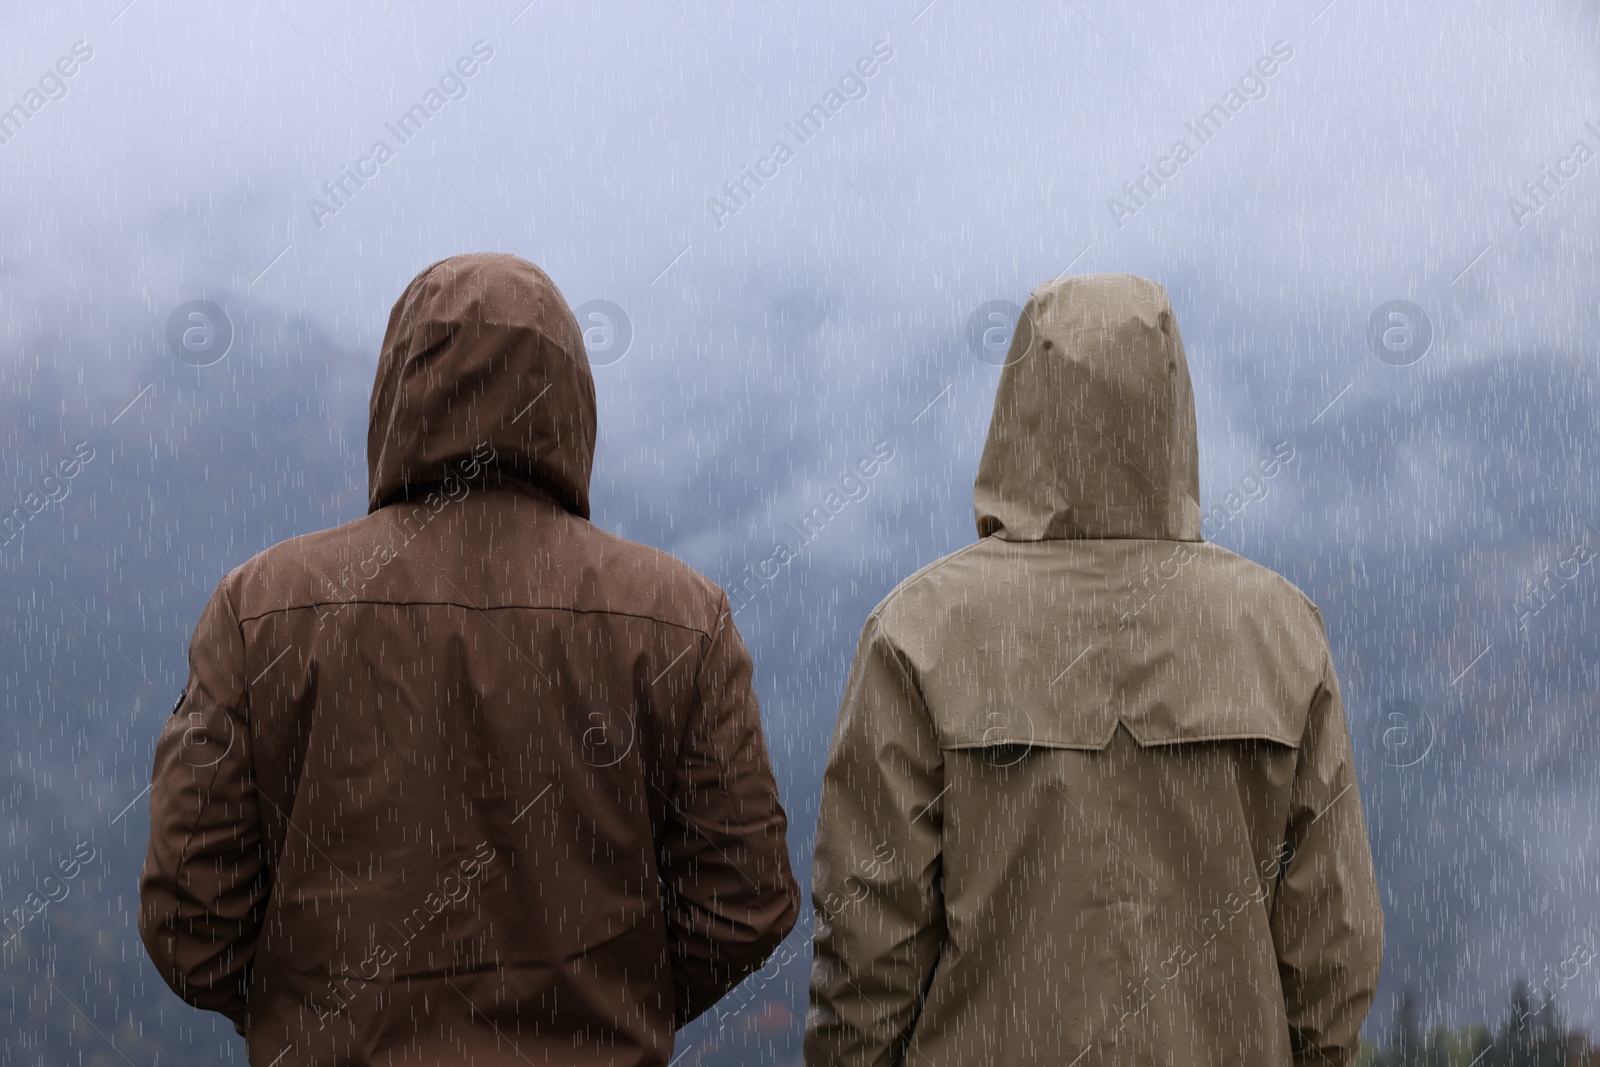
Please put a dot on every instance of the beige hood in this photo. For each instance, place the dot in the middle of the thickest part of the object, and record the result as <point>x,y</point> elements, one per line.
<point>1093,433</point>
<point>482,357</point>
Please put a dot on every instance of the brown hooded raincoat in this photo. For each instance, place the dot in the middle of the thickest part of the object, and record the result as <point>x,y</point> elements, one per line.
<point>468,780</point>
<point>1090,799</point>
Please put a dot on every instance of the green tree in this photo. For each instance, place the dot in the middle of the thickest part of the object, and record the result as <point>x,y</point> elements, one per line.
<point>1404,1048</point>
<point>1550,1036</point>
<point>1530,1036</point>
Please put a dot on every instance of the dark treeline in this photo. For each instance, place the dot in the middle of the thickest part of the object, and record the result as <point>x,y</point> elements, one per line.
<point>1527,1036</point>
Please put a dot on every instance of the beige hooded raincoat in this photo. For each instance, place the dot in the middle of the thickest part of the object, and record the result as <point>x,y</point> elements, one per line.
<point>1090,799</point>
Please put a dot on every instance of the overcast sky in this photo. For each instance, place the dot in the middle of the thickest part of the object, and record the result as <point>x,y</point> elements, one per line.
<point>792,309</point>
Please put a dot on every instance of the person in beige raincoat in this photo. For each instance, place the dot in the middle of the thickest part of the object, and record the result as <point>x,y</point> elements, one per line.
<point>1090,798</point>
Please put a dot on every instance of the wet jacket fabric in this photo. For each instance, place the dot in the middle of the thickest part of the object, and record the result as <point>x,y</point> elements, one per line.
<point>1090,798</point>
<point>467,780</point>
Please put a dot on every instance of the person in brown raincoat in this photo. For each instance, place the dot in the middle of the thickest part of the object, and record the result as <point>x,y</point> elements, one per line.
<point>1090,798</point>
<point>466,780</point>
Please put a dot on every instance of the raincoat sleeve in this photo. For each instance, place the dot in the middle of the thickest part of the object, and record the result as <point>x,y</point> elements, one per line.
<point>204,886</point>
<point>875,885</point>
<point>730,895</point>
<point>1327,920</point>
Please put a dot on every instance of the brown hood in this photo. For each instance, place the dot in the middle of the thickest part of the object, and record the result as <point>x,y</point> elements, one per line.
<point>482,353</point>
<point>1093,434</point>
